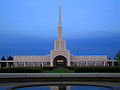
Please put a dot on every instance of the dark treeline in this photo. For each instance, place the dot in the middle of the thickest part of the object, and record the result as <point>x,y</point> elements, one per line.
<point>9,58</point>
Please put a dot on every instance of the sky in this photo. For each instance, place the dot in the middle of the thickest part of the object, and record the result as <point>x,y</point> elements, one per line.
<point>29,27</point>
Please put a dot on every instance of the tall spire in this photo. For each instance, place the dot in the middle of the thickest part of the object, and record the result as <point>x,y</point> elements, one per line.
<point>60,16</point>
<point>60,25</point>
<point>60,44</point>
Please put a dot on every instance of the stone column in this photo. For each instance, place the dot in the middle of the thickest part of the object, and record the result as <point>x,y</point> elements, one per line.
<point>104,63</point>
<point>108,63</point>
<point>33,64</point>
<point>94,63</point>
<point>68,63</point>
<point>24,64</point>
<point>86,63</point>
<point>68,60</point>
<point>6,64</point>
<point>112,63</point>
<point>77,63</point>
<point>51,62</point>
<point>42,64</point>
<point>16,64</point>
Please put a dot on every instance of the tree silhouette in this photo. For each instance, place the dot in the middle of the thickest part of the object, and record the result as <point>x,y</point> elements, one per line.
<point>109,58</point>
<point>10,58</point>
<point>3,58</point>
<point>118,56</point>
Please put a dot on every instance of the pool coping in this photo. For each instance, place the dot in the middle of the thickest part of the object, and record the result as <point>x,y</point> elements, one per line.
<point>61,83</point>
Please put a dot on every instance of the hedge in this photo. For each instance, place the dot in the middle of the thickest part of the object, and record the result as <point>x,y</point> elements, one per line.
<point>70,67</point>
<point>21,70</point>
<point>57,70</point>
<point>81,69</point>
<point>97,69</point>
<point>48,68</point>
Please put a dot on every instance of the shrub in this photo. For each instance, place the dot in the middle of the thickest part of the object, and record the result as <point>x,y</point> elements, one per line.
<point>21,70</point>
<point>97,69</point>
<point>48,68</point>
<point>57,70</point>
<point>60,70</point>
<point>70,67</point>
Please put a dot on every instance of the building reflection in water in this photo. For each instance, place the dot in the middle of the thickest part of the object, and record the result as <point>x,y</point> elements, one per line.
<point>60,87</point>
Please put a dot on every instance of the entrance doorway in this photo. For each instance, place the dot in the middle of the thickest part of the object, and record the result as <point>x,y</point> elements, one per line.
<point>60,61</point>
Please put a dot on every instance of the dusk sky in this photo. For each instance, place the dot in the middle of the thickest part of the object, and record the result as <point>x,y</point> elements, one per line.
<point>29,27</point>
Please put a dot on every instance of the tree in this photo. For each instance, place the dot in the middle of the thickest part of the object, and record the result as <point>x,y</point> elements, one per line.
<point>10,58</point>
<point>3,58</point>
<point>118,56</point>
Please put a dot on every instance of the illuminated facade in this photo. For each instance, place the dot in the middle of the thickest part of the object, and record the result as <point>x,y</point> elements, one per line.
<point>60,56</point>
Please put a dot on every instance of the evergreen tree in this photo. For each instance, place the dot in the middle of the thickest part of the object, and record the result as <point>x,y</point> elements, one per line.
<point>10,58</point>
<point>3,58</point>
<point>118,56</point>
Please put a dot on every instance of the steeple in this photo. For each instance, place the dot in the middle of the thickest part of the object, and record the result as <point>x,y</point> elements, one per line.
<point>60,16</point>
<point>60,25</point>
<point>60,44</point>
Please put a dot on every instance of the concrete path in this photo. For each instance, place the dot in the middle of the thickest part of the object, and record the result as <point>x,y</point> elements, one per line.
<point>37,75</point>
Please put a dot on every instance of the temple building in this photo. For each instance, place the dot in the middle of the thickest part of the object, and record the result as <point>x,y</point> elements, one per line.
<point>59,56</point>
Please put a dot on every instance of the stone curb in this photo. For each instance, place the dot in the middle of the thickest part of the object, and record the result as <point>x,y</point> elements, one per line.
<point>39,75</point>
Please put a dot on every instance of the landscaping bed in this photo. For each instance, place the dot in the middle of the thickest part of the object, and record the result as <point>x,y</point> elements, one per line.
<point>98,69</point>
<point>70,69</point>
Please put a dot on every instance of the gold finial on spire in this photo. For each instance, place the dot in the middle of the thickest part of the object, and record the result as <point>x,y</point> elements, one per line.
<point>59,7</point>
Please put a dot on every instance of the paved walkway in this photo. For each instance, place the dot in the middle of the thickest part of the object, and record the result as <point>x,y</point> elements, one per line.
<point>32,75</point>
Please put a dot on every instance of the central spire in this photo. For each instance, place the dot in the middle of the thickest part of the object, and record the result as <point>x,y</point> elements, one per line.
<point>60,44</point>
<point>60,16</point>
<point>60,25</point>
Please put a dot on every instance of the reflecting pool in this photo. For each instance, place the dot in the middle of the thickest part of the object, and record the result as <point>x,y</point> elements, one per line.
<point>79,85</point>
<point>65,88</point>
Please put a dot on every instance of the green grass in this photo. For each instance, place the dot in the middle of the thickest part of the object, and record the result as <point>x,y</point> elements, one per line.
<point>58,70</point>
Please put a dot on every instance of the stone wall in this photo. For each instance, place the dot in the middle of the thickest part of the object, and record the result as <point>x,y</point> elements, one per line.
<point>88,57</point>
<point>88,60</point>
<point>31,58</point>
